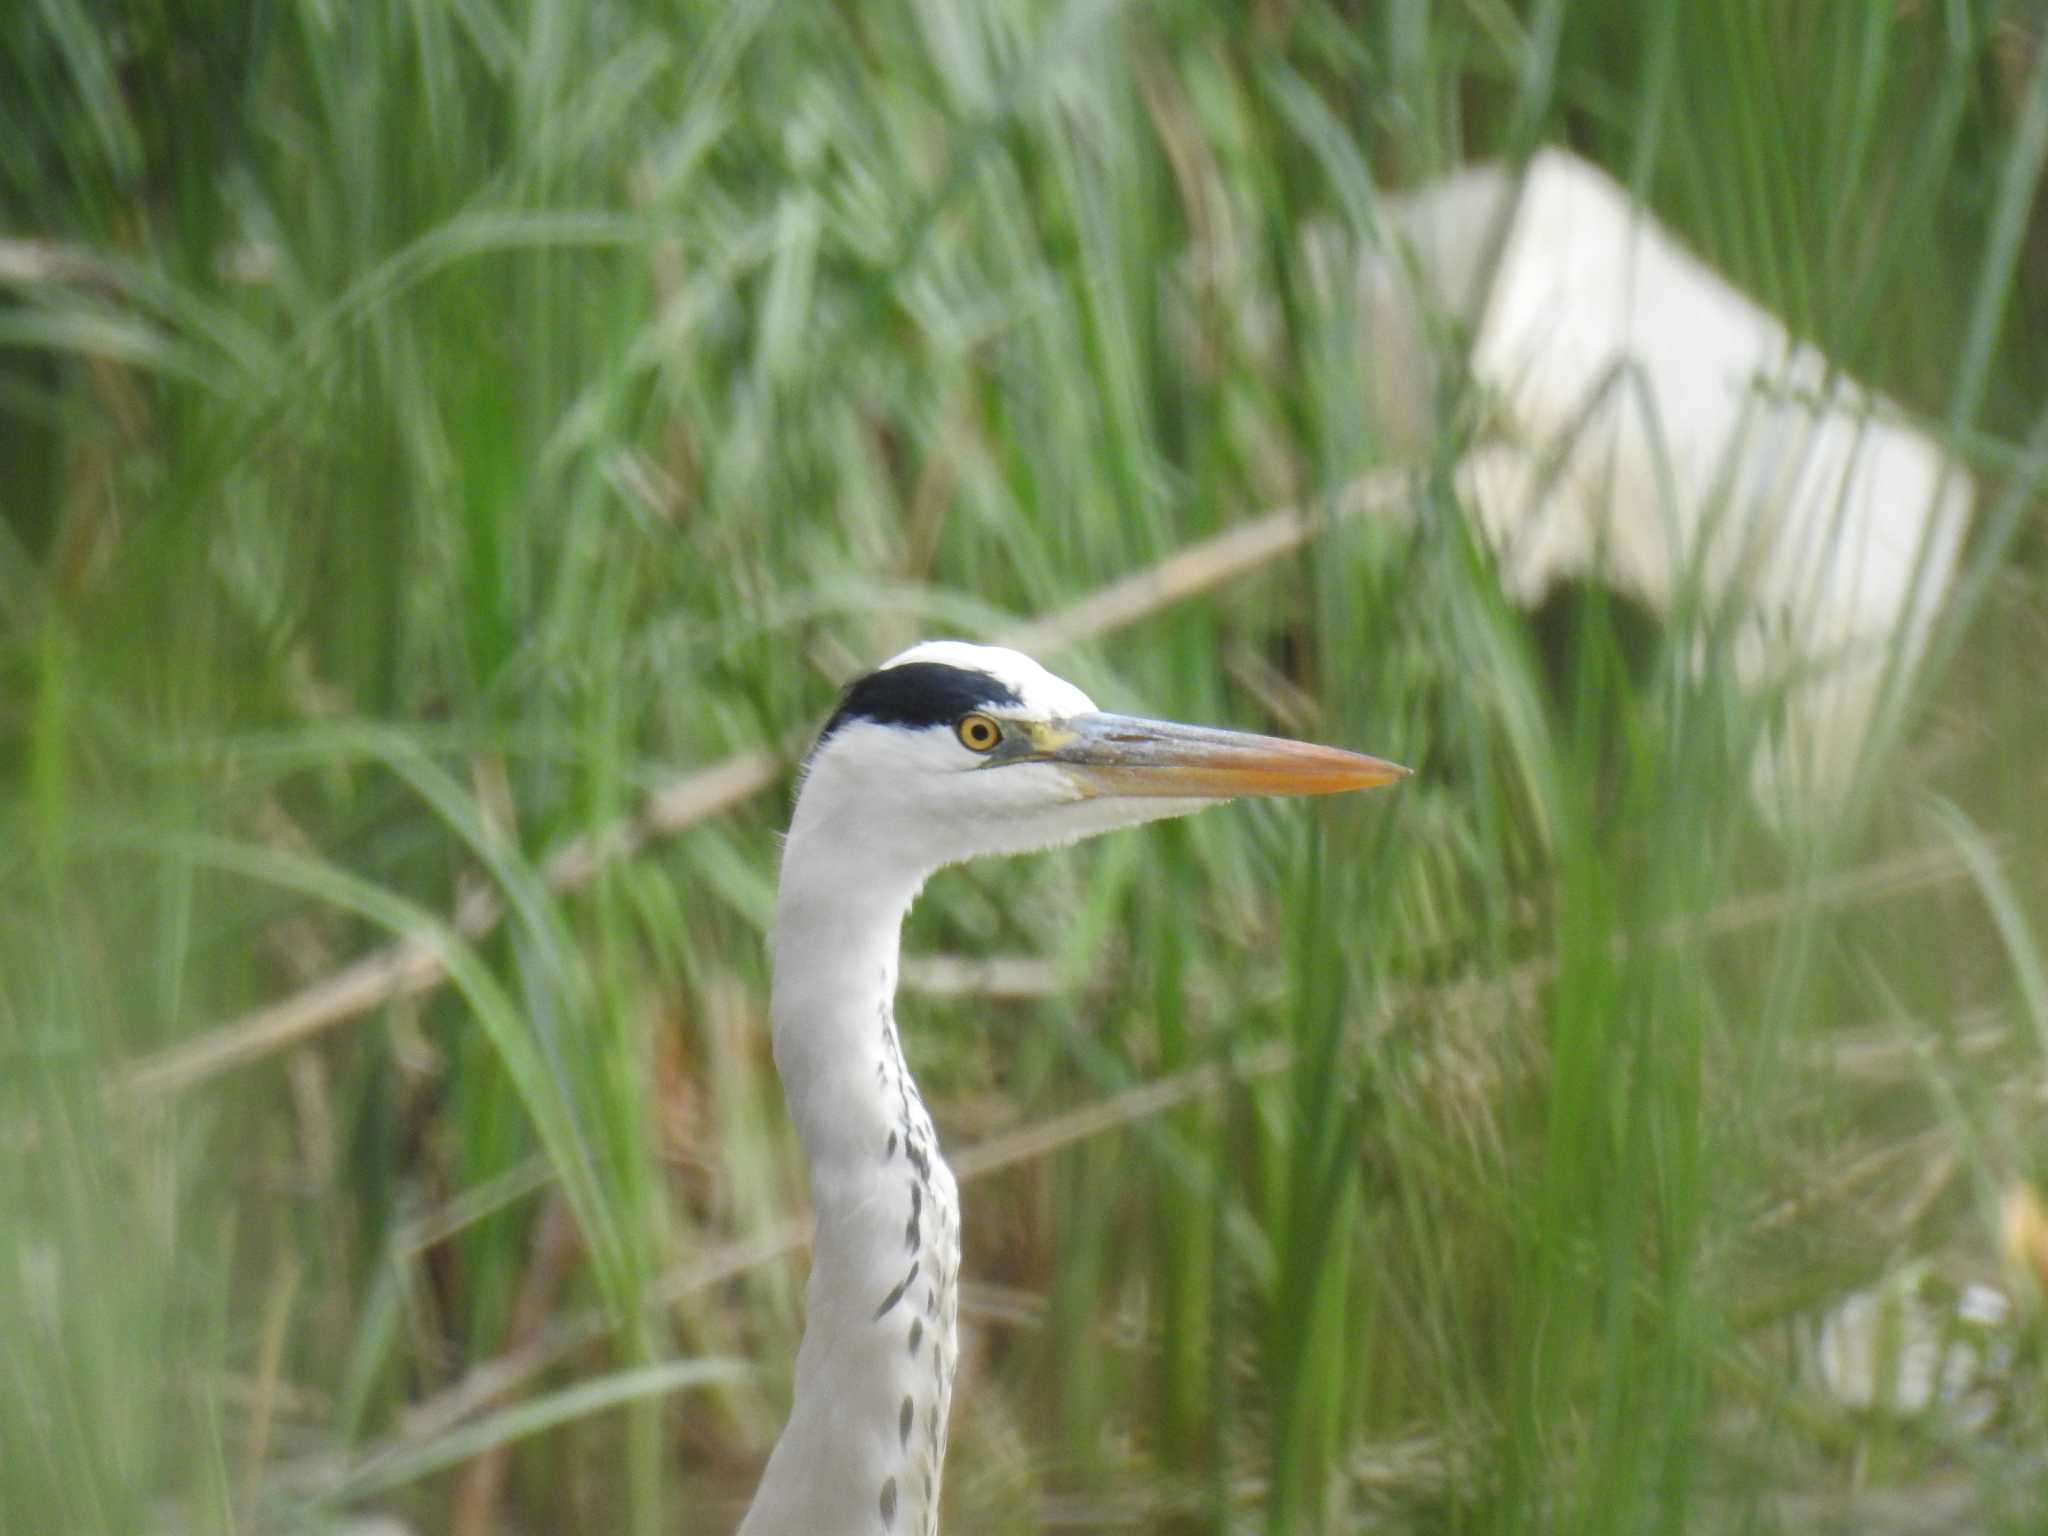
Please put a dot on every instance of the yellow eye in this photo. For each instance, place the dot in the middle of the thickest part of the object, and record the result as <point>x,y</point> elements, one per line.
<point>978,733</point>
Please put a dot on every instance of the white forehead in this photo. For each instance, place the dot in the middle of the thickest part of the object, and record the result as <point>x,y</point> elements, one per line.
<point>1044,695</point>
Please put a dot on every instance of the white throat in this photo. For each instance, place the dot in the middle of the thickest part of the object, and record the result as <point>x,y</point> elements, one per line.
<point>866,1438</point>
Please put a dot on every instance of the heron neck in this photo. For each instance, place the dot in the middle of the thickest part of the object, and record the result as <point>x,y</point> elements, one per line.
<point>838,936</point>
<point>866,1437</point>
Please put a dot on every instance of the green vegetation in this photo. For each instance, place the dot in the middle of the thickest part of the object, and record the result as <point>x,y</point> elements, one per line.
<point>426,430</point>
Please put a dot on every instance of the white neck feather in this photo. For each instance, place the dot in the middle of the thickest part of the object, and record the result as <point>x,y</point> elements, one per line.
<point>866,1437</point>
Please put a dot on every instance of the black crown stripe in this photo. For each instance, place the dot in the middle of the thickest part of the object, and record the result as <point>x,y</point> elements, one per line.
<point>917,695</point>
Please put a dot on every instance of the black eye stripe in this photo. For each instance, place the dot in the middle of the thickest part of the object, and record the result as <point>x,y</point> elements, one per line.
<point>919,694</point>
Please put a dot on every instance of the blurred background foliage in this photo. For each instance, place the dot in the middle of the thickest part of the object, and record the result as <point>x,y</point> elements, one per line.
<point>430,427</point>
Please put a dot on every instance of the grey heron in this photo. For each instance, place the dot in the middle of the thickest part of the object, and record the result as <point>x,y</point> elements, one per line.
<point>947,752</point>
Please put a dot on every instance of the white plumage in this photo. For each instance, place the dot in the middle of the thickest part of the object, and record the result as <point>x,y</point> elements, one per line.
<point>948,752</point>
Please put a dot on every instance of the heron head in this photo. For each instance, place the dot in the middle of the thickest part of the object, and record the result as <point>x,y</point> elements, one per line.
<point>953,751</point>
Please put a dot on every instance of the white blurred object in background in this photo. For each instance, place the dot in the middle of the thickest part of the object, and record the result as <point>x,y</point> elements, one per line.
<point>1651,426</point>
<point>1912,1346</point>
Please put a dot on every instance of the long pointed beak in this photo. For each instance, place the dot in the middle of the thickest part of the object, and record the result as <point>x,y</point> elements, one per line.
<point>1125,755</point>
